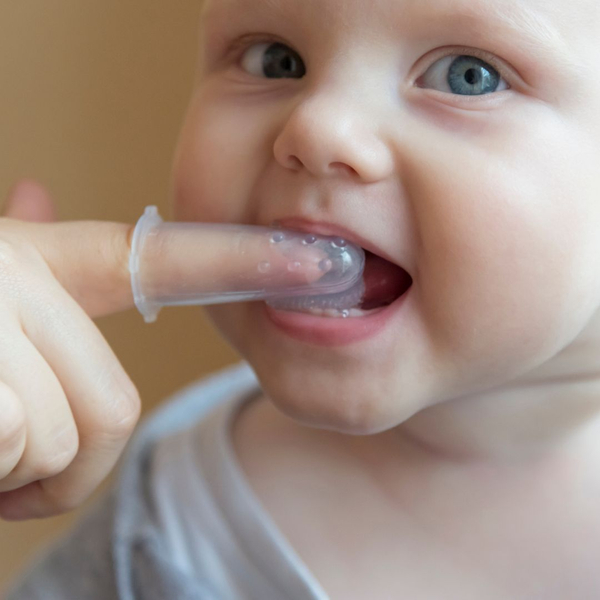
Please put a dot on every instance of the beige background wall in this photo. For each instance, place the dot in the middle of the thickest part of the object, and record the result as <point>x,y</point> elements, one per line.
<point>91,98</point>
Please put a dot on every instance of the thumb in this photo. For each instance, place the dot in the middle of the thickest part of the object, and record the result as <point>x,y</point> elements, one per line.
<point>30,201</point>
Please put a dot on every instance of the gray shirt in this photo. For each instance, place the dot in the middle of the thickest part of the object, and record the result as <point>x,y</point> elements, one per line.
<point>181,522</point>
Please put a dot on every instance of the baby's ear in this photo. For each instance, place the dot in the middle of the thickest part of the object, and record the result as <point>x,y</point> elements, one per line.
<point>29,201</point>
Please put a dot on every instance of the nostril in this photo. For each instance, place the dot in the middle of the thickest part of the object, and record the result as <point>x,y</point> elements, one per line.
<point>340,166</point>
<point>294,163</point>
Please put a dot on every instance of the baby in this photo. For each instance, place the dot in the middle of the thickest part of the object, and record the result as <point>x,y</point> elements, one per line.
<point>441,441</point>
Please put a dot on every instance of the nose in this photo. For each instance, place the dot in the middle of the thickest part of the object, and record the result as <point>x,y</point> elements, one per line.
<point>331,136</point>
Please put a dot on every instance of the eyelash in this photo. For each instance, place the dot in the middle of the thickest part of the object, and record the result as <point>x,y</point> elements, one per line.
<point>241,44</point>
<point>244,43</point>
<point>467,51</point>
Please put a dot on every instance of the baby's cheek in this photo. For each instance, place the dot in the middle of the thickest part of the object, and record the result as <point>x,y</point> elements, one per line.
<point>215,166</point>
<point>506,280</point>
<point>229,320</point>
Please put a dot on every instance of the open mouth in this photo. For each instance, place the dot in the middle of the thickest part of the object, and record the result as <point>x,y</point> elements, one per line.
<point>383,282</point>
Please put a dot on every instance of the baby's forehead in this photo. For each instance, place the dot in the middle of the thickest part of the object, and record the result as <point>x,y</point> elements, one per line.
<point>560,8</point>
<point>567,17</point>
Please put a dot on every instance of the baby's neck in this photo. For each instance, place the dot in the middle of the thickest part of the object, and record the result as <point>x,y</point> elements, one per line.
<point>550,411</point>
<point>326,491</point>
<point>489,440</point>
<point>513,427</point>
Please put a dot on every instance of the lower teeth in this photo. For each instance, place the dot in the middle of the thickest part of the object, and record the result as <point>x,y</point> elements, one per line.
<point>334,312</point>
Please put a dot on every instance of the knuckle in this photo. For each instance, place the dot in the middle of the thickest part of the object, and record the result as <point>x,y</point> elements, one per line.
<point>48,466</point>
<point>16,261</point>
<point>15,252</point>
<point>117,407</point>
<point>126,410</point>
<point>12,423</point>
<point>9,256</point>
<point>59,499</point>
<point>58,459</point>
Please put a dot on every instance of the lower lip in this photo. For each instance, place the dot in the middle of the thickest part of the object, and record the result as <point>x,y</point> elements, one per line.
<point>331,331</point>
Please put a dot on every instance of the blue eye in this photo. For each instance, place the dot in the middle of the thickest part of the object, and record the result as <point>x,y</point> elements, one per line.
<point>274,61</point>
<point>463,75</point>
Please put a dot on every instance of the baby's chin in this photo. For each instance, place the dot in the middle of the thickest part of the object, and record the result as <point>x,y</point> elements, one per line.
<point>353,393</point>
<point>350,407</point>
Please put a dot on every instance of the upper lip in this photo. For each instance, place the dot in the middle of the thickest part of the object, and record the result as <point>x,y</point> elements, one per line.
<point>333,229</point>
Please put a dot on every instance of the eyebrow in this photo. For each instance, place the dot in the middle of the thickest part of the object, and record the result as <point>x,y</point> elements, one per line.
<point>517,18</point>
<point>532,31</point>
<point>490,19</point>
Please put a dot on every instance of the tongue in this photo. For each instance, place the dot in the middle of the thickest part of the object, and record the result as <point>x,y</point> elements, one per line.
<point>384,282</point>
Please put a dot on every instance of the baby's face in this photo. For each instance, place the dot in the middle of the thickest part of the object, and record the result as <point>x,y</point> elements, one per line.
<point>459,139</point>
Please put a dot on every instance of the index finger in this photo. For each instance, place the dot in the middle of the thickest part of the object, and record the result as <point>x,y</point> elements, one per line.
<point>90,259</point>
<point>210,263</point>
<point>190,263</point>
